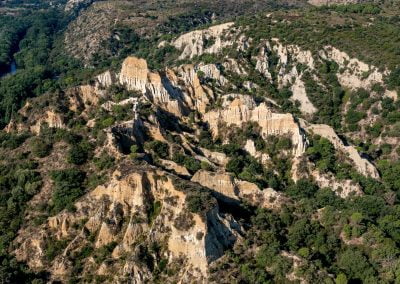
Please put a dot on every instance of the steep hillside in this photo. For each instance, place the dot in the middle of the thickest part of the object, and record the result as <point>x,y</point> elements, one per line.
<point>263,150</point>
<point>98,27</point>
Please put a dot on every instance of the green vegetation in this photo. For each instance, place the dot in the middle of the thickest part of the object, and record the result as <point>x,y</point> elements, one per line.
<point>322,152</point>
<point>54,247</point>
<point>316,235</point>
<point>11,140</point>
<point>190,163</point>
<point>80,153</point>
<point>313,28</point>
<point>361,8</point>
<point>160,149</point>
<point>68,187</point>
<point>327,101</point>
<point>153,211</point>
<point>40,147</point>
<point>199,202</point>
<point>34,42</point>
<point>104,252</point>
<point>19,182</point>
<point>104,161</point>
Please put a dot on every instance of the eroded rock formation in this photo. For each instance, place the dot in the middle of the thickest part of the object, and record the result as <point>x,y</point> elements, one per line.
<point>119,211</point>
<point>243,109</point>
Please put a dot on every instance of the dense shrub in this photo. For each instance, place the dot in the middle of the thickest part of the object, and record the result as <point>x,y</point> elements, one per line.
<point>160,149</point>
<point>40,147</point>
<point>322,152</point>
<point>153,211</point>
<point>80,153</point>
<point>190,163</point>
<point>68,187</point>
<point>354,116</point>
<point>54,247</point>
<point>302,189</point>
<point>104,161</point>
<point>12,141</point>
<point>200,201</point>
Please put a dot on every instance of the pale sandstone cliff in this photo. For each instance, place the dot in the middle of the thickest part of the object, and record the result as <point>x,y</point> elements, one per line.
<point>195,95</point>
<point>236,190</point>
<point>289,56</point>
<point>51,119</point>
<point>117,212</point>
<point>136,76</point>
<point>193,43</point>
<point>211,71</point>
<point>243,109</point>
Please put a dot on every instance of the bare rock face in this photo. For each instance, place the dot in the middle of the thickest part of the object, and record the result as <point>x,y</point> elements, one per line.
<point>343,188</point>
<point>242,110</point>
<point>355,74</point>
<point>236,190</point>
<point>106,79</point>
<point>290,52</point>
<point>212,71</point>
<point>71,4</point>
<point>250,147</point>
<point>232,65</point>
<point>299,94</point>
<point>291,55</point>
<point>215,157</point>
<point>194,43</point>
<point>262,64</point>
<point>119,212</point>
<point>194,95</point>
<point>85,97</point>
<point>362,165</point>
<point>50,118</point>
<point>136,76</point>
<point>170,165</point>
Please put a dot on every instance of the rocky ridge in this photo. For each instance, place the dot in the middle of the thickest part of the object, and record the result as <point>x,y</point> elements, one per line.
<point>118,212</point>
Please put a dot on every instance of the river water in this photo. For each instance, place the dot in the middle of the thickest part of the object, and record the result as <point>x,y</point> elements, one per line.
<point>11,70</point>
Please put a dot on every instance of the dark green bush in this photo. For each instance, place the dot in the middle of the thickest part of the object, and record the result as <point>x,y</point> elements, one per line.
<point>68,187</point>
<point>78,154</point>
<point>104,161</point>
<point>160,149</point>
<point>40,148</point>
<point>200,201</point>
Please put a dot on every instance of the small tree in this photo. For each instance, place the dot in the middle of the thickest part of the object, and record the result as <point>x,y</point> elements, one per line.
<point>40,148</point>
<point>341,279</point>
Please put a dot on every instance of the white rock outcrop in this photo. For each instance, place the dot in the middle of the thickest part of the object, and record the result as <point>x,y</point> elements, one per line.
<point>287,53</point>
<point>106,79</point>
<point>193,44</point>
<point>362,165</point>
<point>262,64</point>
<point>243,109</point>
<point>342,188</point>
<point>353,73</point>
<point>299,94</point>
<point>211,71</point>
<point>236,190</point>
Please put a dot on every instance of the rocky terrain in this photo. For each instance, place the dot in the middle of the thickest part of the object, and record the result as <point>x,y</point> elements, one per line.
<point>244,155</point>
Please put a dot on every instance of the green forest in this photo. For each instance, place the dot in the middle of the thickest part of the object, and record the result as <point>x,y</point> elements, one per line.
<point>337,240</point>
